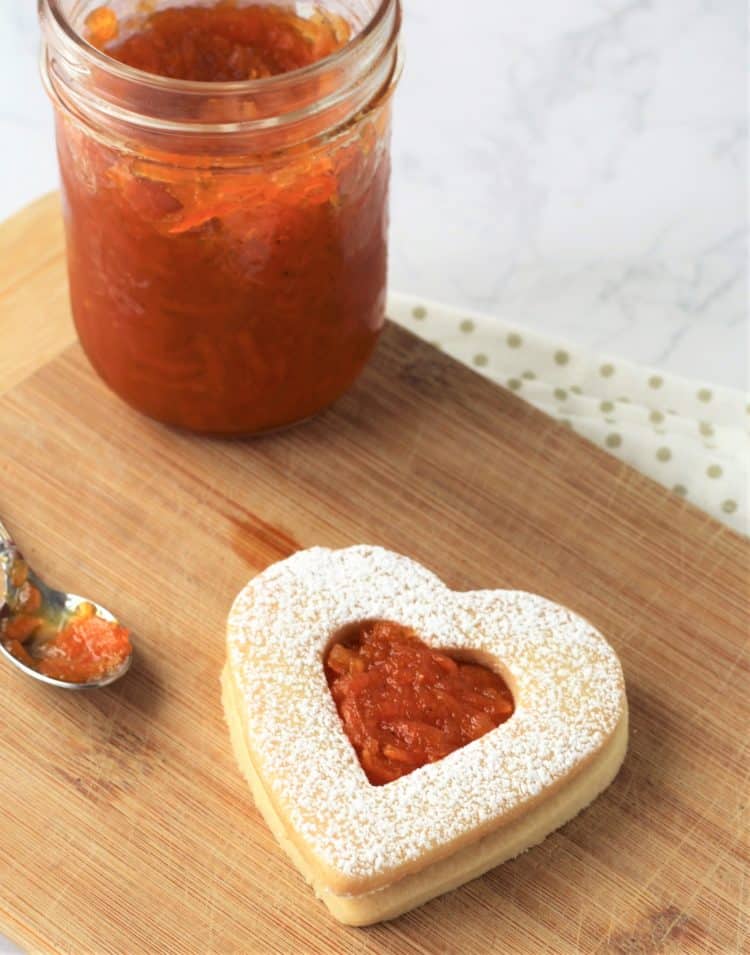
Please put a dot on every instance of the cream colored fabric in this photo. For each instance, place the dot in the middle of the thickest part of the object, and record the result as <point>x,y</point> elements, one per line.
<point>693,438</point>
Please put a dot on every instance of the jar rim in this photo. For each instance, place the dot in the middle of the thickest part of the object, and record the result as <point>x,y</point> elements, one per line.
<point>229,87</point>
<point>293,107</point>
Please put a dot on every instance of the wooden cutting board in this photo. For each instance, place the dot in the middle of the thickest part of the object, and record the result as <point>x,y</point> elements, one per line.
<point>126,826</point>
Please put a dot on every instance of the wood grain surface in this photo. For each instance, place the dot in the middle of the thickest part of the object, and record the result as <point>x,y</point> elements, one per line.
<point>126,826</point>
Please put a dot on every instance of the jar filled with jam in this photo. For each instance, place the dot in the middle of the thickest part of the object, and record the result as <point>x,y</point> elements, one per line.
<point>224,172</point>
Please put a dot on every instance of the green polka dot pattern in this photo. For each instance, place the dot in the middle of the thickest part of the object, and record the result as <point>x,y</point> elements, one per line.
<point>693,438</point>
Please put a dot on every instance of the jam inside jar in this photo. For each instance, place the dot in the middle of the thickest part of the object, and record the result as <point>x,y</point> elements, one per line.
<point>225,173</point>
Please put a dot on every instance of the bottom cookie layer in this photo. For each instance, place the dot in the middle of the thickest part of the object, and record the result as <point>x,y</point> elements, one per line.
<point>465,864</point>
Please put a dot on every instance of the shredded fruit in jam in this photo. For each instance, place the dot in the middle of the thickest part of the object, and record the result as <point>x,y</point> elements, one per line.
<point>223,42</point>
<point>404,704</point>
<point>77,647</point>
<point>216,295</point>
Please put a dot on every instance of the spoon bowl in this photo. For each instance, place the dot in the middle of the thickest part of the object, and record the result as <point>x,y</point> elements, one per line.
<point>56,603</point>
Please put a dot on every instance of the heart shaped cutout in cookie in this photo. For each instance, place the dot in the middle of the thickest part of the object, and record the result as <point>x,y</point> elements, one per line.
<point>372,852</point>
<point>404,704</point>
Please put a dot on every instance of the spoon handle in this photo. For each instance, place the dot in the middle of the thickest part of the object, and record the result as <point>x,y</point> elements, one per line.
<point>6,539</point>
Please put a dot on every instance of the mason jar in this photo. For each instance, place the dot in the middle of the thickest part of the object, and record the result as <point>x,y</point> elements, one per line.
<point>226,241</point>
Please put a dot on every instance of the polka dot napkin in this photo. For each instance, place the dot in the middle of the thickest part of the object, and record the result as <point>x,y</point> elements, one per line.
<point>690,437</point>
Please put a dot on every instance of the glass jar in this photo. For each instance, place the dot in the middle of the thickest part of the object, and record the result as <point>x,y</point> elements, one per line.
<point>226,241</point>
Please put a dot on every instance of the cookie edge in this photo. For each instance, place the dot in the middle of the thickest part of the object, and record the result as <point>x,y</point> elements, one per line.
<point>469,861</point>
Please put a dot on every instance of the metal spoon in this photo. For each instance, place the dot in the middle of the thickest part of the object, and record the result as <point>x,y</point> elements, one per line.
<point>57,601</point>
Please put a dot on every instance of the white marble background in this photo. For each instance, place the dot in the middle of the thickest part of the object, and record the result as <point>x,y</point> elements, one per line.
<point>577,166</point>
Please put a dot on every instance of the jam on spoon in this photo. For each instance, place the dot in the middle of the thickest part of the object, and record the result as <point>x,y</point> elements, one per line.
<point>57,637</point>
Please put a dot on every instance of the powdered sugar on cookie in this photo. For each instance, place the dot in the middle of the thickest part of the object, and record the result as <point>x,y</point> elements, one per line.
<point>566,681</point>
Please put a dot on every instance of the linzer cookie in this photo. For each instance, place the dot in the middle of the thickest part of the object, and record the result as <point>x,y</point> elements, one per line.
<point>401,738</point>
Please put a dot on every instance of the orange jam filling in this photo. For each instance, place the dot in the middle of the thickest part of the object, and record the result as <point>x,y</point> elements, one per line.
<point>218,43</point>
<point>404,704</point>
<point>77,647</point>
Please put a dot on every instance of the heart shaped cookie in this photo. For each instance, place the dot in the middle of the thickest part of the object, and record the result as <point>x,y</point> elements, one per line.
<point>373,852</point>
